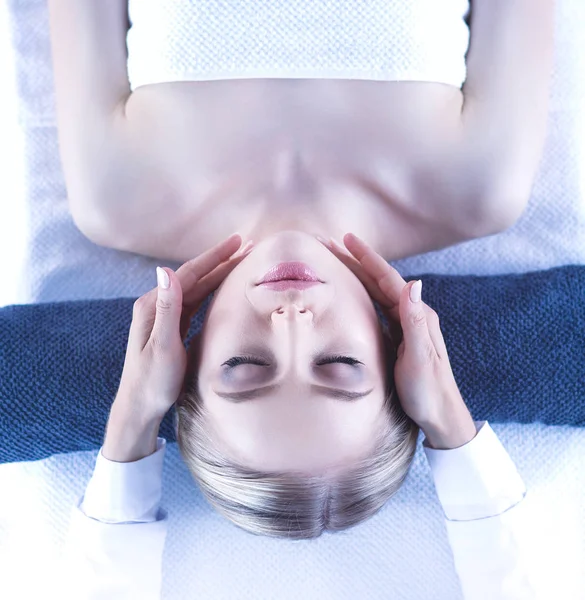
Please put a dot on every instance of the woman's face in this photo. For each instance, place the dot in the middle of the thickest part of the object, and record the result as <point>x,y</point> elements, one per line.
<point>297,423</point>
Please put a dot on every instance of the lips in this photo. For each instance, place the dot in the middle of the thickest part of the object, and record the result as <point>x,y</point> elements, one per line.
<point>290,271</point>
<point>289,284</point>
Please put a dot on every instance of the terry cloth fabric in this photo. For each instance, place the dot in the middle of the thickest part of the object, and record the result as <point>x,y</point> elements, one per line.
<point>121,520</point>
<point>516,345</point>
<point>401,553</point>
<point>387,40</point>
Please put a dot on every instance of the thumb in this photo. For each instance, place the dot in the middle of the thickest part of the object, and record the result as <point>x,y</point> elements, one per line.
<point>169,307</point>
<point>416,337</point>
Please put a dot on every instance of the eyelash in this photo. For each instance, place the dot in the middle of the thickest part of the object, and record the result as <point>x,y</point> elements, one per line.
<point>240,360</point>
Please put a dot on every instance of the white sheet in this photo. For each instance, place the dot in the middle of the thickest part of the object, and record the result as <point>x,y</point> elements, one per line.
<point>401,553</point>
<point>403,549</point>
<point>13,210</point>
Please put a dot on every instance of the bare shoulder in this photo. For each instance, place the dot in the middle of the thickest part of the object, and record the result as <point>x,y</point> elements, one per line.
<point>101,170</point>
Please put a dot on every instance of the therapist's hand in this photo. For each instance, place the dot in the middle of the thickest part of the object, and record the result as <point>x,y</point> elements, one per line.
<point>423,377</point>
<point>156,360</point>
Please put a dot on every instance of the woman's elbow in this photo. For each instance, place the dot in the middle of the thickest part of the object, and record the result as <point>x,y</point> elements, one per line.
<point>501,208</point>
<point>92,221</point>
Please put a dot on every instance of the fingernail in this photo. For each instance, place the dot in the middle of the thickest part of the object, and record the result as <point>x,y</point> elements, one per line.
<point>416,291</point>
<point>163,278</point>
<point>356,237</point>
<point>247,247</point>
<point>336,243</point>
<point>231,237</point>
<point>322,240</point>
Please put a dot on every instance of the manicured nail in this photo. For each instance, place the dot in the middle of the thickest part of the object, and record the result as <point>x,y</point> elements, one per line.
<point>163,278</point>
<point>231,237</point>
<point>336,244</point>
<point>247,248</point>
<point>322,240</point>
<point>354,236</point>
<point>416,291</point>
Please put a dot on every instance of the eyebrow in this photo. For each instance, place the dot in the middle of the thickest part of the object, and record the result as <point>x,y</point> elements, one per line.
<point>260,392</point>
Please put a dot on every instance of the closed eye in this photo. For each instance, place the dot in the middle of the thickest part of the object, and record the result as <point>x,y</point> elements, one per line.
<point>234,361</point>
<point>349,360</point>
<point>240,360</point>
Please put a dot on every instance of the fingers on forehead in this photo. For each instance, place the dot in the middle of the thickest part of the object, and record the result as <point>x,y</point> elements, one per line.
<point>371,260</point>
<point>384,275</point>
<point>377,267</point>
<point>205,285</point>
<point>198,267</point>
<point>356,246</point>
<point>201,265</point>
<point>369,281</point>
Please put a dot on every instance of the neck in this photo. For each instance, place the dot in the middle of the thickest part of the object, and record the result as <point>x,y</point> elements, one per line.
<point>329,215</point>
<point>291,200</point>
<point>294,193</point>
<point>300,216</point>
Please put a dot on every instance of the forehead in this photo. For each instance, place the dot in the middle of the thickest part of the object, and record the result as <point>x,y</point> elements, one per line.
<point>313,446</point>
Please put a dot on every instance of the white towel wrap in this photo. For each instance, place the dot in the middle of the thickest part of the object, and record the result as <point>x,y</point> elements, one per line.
<point>389,40</point>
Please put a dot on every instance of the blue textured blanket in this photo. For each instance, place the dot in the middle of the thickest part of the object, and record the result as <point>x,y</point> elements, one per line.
<point>516,345</point>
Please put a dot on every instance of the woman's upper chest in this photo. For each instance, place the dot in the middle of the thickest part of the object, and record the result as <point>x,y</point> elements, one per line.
<point>232,153</point>
<point>197,134</point>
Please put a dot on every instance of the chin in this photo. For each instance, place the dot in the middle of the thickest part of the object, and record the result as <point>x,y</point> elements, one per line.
<point>291,234</point>
<point>295,241</point>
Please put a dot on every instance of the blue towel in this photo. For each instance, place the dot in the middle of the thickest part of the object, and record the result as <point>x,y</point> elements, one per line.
<point>516,345</point>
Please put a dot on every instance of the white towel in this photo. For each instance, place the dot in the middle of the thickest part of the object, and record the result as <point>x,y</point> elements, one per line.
<point>401,553</point>
<point>181,40</point>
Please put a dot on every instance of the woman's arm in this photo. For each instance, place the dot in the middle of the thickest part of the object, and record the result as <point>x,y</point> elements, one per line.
<point>88,39</point>
<point>89,58</point>
<point>506,94</point>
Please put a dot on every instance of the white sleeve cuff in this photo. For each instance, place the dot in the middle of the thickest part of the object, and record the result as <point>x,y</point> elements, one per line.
<point>477,480</point>
<point>125,492</point>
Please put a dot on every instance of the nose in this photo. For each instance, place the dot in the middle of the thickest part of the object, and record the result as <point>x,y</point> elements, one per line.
<point>292,312</point>
<point>291,324</point>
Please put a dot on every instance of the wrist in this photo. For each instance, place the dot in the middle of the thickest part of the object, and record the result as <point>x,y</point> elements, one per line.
<point>453,433</point>
<point>129,438</point>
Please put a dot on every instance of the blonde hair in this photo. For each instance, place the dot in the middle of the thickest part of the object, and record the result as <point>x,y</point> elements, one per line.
<point>289,504</point>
